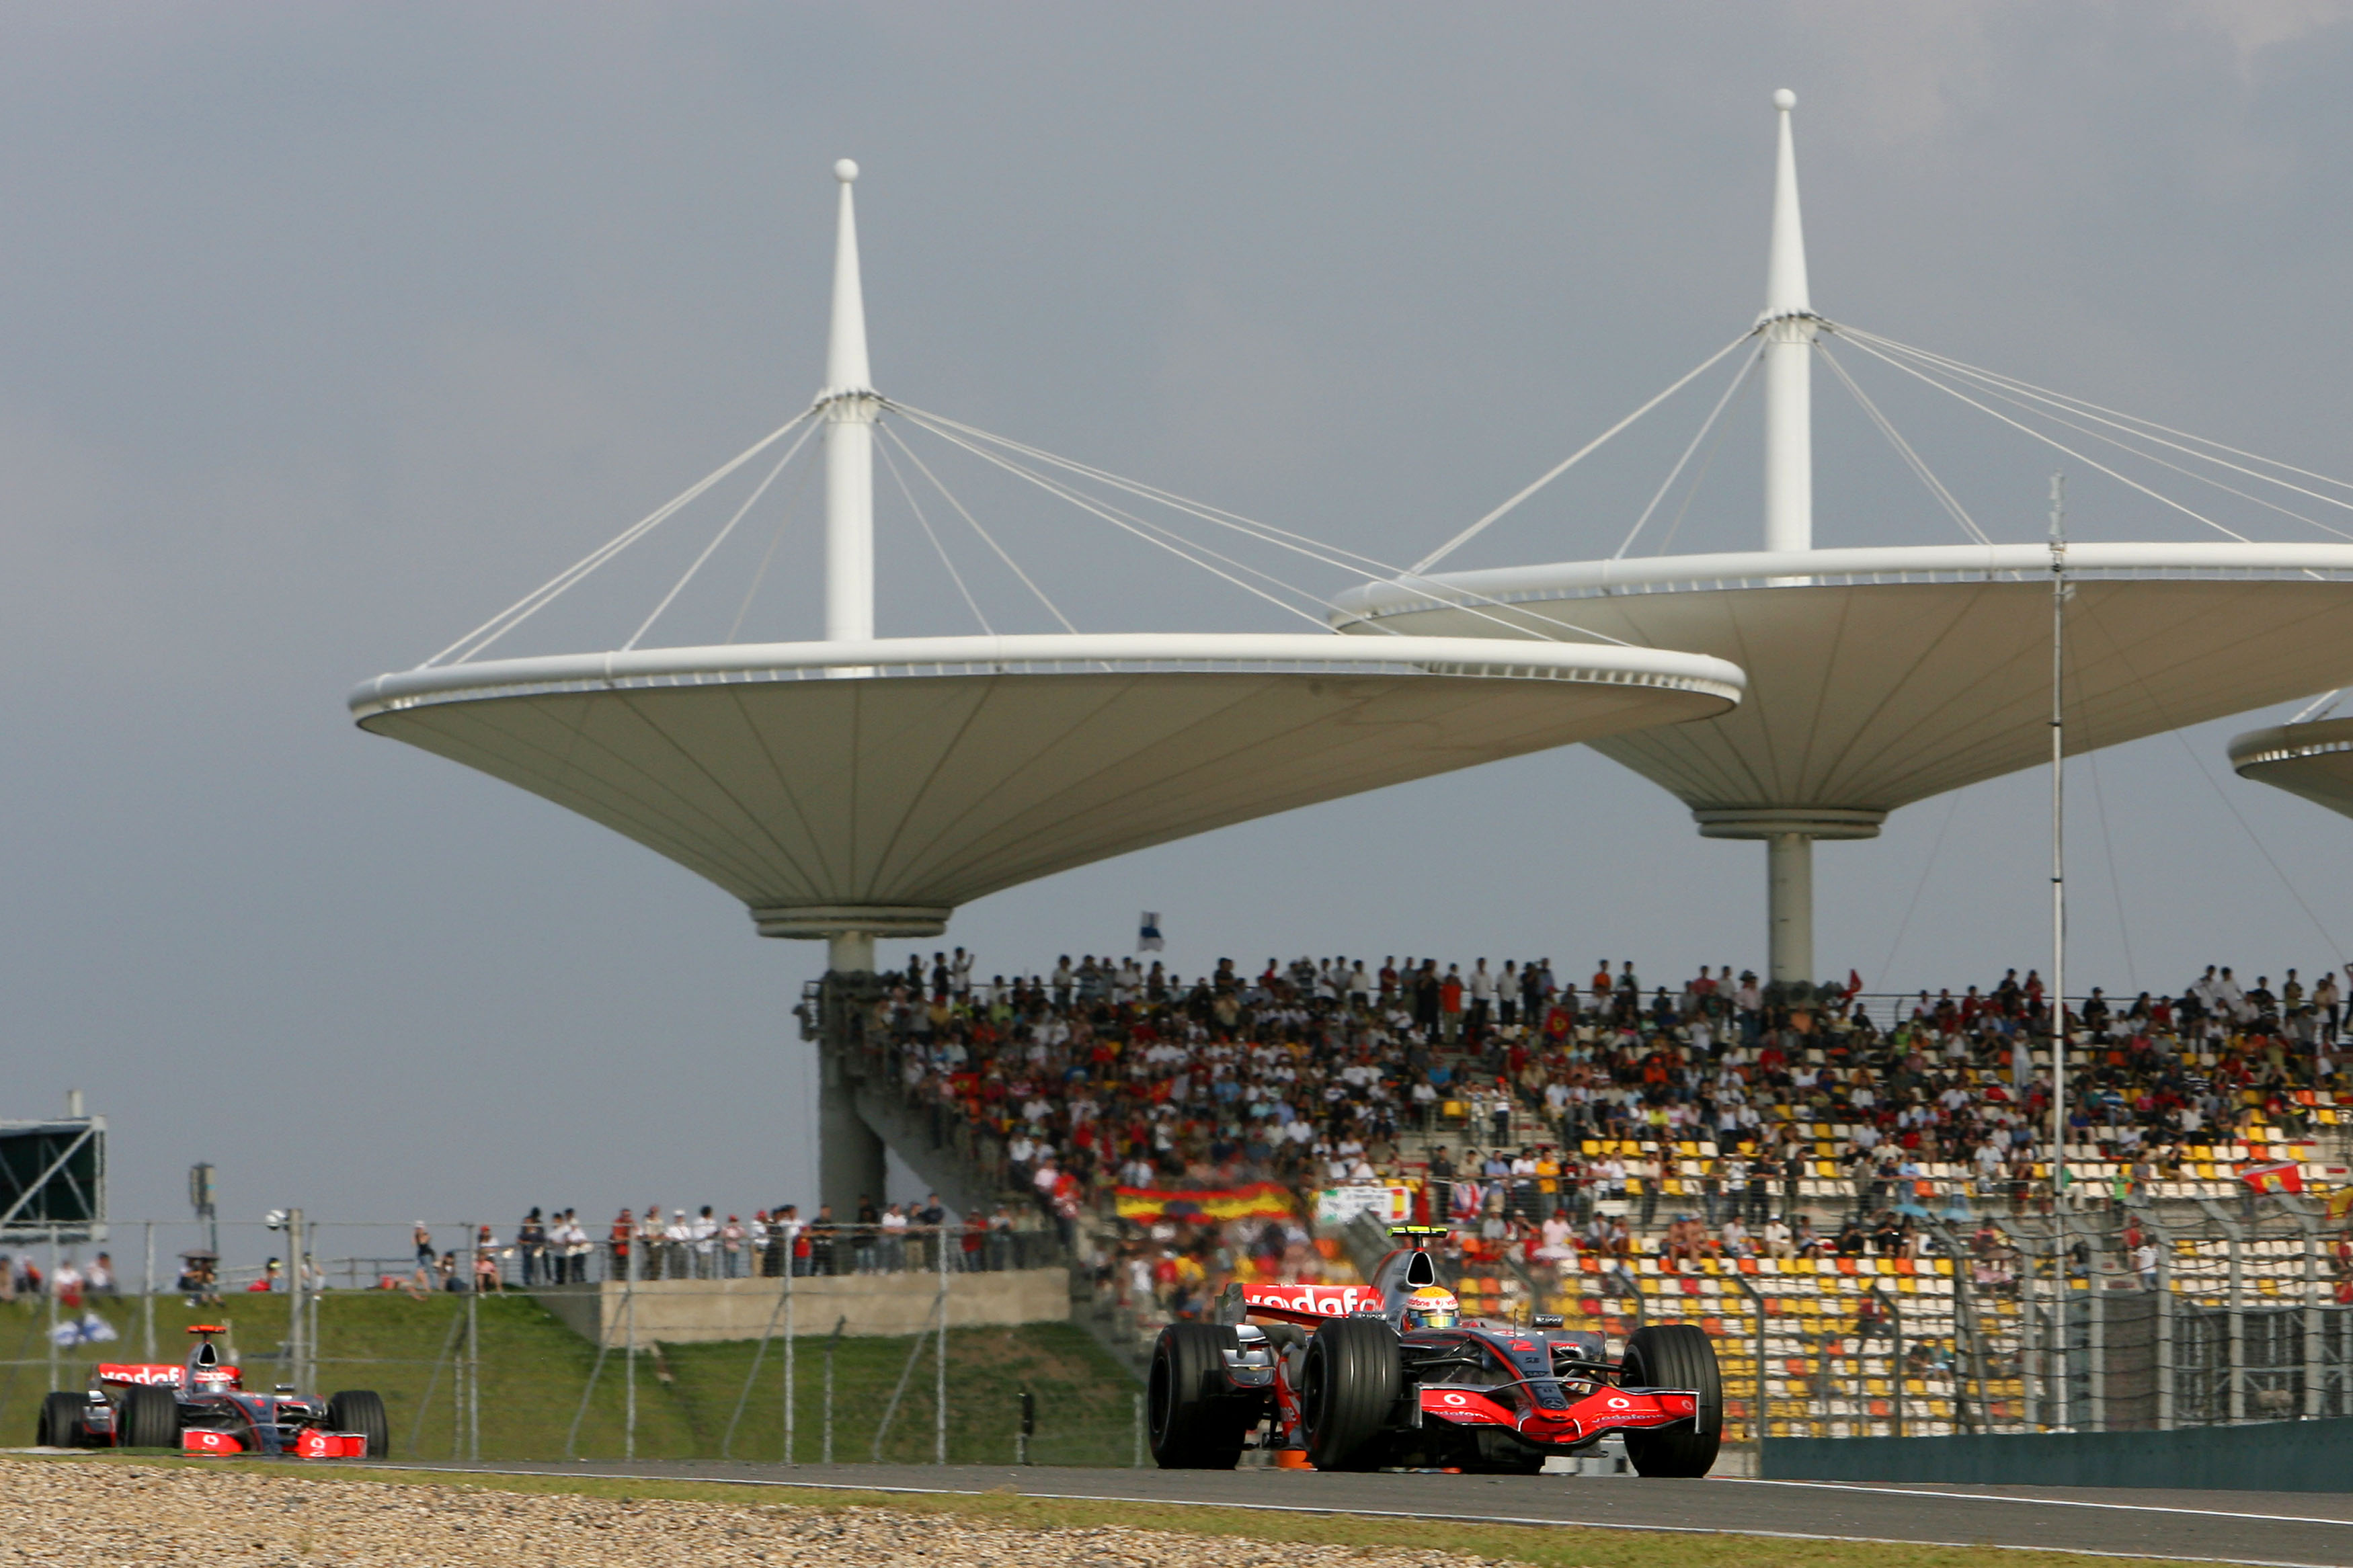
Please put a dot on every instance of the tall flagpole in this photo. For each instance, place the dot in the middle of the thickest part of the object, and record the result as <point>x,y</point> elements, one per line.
<point>2058,845</point>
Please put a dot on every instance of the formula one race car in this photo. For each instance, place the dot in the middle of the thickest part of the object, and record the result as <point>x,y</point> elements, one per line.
<point>201,1408</point>
<point>1367,1376</point>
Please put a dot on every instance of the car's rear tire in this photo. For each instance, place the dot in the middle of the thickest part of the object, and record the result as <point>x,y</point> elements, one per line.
<point>1675,1355</point>
<point>1348,1390</point>
<point>60,1423</point>
<point>361,1410</point>
<point>149,1417</point>
<point>1195,1421</point>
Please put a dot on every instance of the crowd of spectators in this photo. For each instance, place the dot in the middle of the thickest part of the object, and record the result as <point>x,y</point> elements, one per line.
<point>1574,1100</point>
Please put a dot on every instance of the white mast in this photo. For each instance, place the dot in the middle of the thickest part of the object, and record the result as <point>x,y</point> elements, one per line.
<point>1788,323</point>
<point>1788,327</point>
<point>850,410</point>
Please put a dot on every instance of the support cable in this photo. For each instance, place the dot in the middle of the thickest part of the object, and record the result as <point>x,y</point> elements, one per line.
<point>539,598</point>
<point>2116,646</point>
<point>2049,441</point>
<point>2120,420</point>
<point>1706,461</point>
<point>721,538</point>
<point>784,520</point>
<point>2024,405</point>
<point>1903,449</point>
<point>1468,534</point>
<point>986,538</point>
<point>1738,380</point>
<point>953,575</point>
<point>1148,532</point>
<point>1352,560</point>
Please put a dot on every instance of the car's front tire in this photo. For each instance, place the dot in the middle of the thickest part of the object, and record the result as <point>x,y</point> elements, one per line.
<point>1347,1389</point>
<point>149,1417</point>
<point>1194,1421</point>
<point>361,1410</point>
<point>1675,1355</point>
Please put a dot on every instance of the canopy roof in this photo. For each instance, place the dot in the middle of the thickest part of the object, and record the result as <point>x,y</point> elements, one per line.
<point>1882,677</point>
<point>875,785</point>
<point>2315,760</point>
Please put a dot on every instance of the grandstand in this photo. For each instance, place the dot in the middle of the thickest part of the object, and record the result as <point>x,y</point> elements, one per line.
<point>1882,1289</point>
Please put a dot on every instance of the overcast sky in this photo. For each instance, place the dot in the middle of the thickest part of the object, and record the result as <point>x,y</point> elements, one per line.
<point>326,330</point>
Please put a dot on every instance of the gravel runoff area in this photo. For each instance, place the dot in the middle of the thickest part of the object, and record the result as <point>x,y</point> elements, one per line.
<point>126,1516</point>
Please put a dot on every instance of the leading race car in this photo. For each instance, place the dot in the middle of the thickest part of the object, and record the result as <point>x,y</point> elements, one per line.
<point>201,1406</point>
<point>1388,1375</point>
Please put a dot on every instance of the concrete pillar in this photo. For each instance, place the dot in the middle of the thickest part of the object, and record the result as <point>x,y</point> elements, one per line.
<point>849,1153</point>
<point>1790,907</point>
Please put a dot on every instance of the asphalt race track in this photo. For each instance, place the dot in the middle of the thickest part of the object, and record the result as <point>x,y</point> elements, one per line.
<point>2281,1528</point>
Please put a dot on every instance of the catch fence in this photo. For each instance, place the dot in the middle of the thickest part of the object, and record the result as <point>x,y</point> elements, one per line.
<point>500,1373</point>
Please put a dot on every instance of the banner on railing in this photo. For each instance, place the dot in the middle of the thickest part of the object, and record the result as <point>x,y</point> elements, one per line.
<point>1392,1203</point>
<point>1259,1200</point>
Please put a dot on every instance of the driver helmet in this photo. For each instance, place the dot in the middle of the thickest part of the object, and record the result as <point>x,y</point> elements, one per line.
<point>1432,1307</point>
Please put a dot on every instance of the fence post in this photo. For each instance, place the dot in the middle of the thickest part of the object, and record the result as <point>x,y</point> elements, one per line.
<point>1896,1353</point>
<point>294,1283</point>
<point>2164,1330</point>
<point>2311,1313</point>
<point>147,1298</point>
<point>2238,1327</point>
<point>49,1290</point>
<point>1139,1431</point>
<point>1756,1300</point>
<point>832,1341</point>
<point>789,1237</point>
<point>473,1345</point>
<point>2095,1353</point>
<point>629,1347</point>
<point>2028,1342</point>
<point>940,1436</point>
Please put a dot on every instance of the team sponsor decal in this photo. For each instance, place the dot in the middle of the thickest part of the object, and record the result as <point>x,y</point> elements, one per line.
<point>151,1376</point>
<point>1325,1300</point>
<point>209,1443</point>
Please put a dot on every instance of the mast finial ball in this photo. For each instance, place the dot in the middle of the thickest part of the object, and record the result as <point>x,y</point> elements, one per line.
<point>1783,99</point>
<point>846,169</point>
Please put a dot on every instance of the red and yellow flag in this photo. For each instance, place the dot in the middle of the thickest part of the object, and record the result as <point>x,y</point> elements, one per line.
<point>2280,1178</point>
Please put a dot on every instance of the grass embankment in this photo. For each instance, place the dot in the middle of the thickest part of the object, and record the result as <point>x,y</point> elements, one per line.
<point>534,1370</point>
<point>1553,1546</point>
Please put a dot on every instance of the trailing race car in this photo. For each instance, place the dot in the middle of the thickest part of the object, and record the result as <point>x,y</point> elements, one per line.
<point>1362,1377</point>
<point>201,1408</point>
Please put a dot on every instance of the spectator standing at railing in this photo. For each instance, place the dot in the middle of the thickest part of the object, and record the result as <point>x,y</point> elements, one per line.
<point>862,1237</point>
<point>531,1246</point>
<point>703,1232</point>
<point>730,1248</point>
<point>618,1242</point>
<point>892,1249</point>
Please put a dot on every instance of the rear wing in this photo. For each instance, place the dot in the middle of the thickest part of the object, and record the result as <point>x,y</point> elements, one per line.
<point>1307,1304</point>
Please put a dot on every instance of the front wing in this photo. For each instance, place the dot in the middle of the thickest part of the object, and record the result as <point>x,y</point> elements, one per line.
<point>1603,1410</point>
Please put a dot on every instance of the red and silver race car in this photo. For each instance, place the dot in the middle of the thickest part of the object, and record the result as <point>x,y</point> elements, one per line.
<point>200,1407</point>
<point>1388,1374</point>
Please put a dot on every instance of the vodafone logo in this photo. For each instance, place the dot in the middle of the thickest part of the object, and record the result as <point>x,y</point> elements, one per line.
<point>1454,1399</point>
<point>1616,1403</point>
<point>1325,1302</point>
<point>148,1376</point>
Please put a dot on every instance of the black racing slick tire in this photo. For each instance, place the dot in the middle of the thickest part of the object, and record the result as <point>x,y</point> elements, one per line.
<point>1195,1421</point>
<point>149,1417</point>
<point>60,1424</point>
<point>361,1410</point>
<point>1675,1355</point>
<point>1347,1391</point>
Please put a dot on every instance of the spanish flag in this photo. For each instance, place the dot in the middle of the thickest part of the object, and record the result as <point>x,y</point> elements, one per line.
<point>2282,1178</point>
<point>1259,1200</point>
